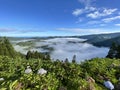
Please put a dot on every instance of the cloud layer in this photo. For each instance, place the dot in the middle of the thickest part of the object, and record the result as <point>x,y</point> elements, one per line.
<point>88,31</point>
<point>67,48</point>
<point>20,30</point>
<point>7,30</point>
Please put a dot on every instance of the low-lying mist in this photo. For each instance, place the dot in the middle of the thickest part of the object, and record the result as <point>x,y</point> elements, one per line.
<point>62,48</point>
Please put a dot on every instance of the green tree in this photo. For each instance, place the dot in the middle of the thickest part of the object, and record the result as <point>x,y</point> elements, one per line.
<point>74,59</point>
<point>114,51</point>
<point>6,48</point>
<point>29,55</point>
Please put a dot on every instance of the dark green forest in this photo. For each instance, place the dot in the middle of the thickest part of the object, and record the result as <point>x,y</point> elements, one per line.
<point>61,75</point>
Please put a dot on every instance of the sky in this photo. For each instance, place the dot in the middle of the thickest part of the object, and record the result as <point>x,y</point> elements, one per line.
<point>58,17</point>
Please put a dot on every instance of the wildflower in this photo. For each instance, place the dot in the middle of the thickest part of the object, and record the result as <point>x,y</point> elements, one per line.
<point>1,79</point>
<point>28,70</point>
<point>42,71</point>
<point>108,85</point>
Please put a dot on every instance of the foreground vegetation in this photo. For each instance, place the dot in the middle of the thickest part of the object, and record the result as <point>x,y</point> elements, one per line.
<point>70,76</point>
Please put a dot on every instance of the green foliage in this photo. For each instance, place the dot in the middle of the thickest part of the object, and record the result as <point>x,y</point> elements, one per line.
<point>74,59</point>
<point>37,55</point>
<point>6,49</point>
<point>46,47</point>
<point>27,43</point>
<point>114,51</point>
<point>71,76</point>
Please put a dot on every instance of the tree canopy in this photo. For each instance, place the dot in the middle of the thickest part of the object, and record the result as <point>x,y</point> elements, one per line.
<point>6,49</point>
<point>114,51</point>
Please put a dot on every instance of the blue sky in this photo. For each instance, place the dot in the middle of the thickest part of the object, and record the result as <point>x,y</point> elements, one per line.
<point>58,17</point>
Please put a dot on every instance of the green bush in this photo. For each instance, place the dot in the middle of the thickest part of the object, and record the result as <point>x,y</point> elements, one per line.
<point>71,76</point>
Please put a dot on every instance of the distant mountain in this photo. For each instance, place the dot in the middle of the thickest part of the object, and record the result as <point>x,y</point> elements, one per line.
<point>101,40</point>
<point>110,35</point>
<point>108,42</point>
<point>104,40</point>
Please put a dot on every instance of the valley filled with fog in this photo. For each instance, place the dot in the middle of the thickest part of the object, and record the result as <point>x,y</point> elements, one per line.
<point>61,48</point>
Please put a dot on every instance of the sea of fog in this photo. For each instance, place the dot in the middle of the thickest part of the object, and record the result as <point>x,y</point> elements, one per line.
<point>65,48</point>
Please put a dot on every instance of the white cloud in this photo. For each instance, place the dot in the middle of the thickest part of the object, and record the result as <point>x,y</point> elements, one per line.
<point>117,24</point>
<point>7,30</point>
<point>99,13</point>
<point>90,8</point>
<point>93,22</point>
<point>77,12</point>
<point>111,19</point>
<point>94,15</point>
<point>13,30</point>
<point>86,9</point>
<point>87,3</point>
<point>109,11</point>
<point>85,31</point>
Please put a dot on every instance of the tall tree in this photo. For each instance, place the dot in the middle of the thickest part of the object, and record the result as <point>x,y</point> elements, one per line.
<point>74,59</point>
<point>29,55</point>
<point>114,51</point>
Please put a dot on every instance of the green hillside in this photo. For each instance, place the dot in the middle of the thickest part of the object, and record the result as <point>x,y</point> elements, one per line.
<point>6,49</point>
<point>61,75</point>
<point>108,42</point>
<point>104,40</point>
